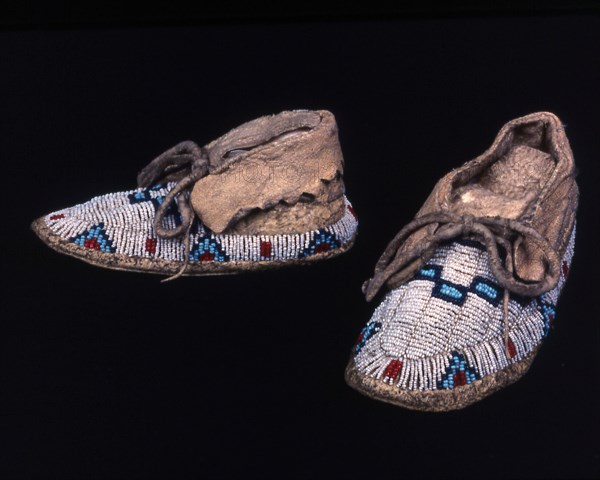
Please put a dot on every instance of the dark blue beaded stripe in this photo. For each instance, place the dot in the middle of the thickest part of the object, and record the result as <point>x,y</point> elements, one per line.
<point>208,249</point>
<point>455,293</point>
<point>366,333</point>
<point>323,241</point>
<point>95,238</point>
<point>458,373</point>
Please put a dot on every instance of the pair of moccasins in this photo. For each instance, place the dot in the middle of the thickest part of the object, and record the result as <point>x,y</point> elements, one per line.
<point>471,282</point>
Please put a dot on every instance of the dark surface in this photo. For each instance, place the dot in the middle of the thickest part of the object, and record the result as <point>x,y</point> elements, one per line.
<point>108,374</point>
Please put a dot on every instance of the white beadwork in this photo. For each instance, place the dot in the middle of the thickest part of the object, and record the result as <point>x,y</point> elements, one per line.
<point>130,225</point>
<point>422,331</point>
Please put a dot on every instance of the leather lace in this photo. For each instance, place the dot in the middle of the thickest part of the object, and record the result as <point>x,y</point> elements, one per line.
<point>397,265</point>
<point>187,163</point>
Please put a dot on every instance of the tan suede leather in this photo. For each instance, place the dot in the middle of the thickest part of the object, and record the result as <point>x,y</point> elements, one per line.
<point>275,174</point>
<point>528,174</point>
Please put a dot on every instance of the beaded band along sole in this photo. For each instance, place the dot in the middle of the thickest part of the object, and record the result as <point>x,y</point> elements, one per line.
<point>436,343</point>
<point>437,400</point>
<point>117,261</point>
<point>117,231</point>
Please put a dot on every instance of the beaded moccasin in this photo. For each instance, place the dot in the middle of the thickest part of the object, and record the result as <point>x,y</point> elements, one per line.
<point>474,279</point>
<point>266,194</point>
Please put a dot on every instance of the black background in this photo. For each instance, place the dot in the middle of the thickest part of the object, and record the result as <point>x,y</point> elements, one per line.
<point>108,374</point>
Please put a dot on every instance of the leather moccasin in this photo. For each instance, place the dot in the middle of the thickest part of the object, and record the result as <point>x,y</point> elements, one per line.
<point>268,193</point>
<point>473,281</point>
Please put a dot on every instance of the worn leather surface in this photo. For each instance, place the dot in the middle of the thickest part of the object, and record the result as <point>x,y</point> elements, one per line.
<point>279,173</point>
<point>528,174</point>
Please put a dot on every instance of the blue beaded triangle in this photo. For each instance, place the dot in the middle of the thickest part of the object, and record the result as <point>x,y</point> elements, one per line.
<point>208,249</point>
<point>323,241</point>
<point>95,238</point>
<point>458,373</point>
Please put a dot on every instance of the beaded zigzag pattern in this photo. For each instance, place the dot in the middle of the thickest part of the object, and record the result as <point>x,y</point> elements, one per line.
<point>123,223</point>
<point>445,327</point>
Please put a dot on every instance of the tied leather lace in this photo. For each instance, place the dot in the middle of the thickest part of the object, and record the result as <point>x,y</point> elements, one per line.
<point>185,163</point>
<point>396,265</point>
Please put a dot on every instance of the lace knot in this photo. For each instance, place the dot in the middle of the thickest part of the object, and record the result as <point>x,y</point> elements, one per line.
<point>397,264</point>
<point>185,163</point>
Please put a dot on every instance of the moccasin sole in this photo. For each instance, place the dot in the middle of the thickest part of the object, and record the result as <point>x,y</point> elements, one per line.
<point>437,400</point>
